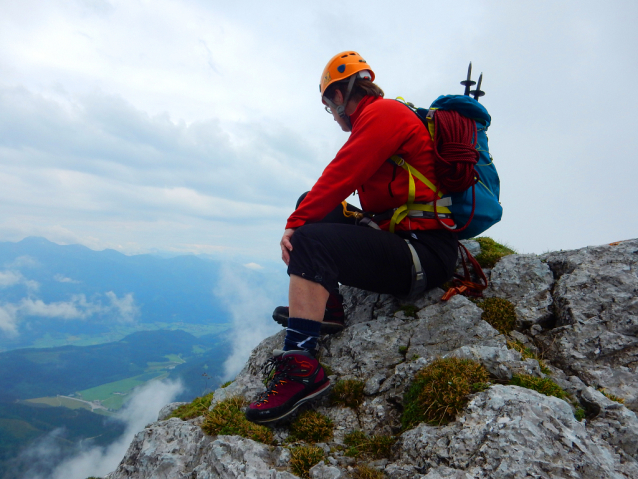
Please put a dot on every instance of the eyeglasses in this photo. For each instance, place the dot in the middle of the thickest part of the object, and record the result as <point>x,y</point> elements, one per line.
<point>328,109</point>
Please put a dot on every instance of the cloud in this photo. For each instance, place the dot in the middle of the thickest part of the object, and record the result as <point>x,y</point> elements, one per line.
<point>24,261</point>
<point>141,410</point>
<point>9,278</point>
<point>77,308</point>
<point>13,278</point>
<point>63,279</point>
<point>253,266</point>
<point>199,123</point>
<point>125,308</point>
<point>122,310</point>
<point>250,298</point>
<point>105,168</point>
<point>8,320</point>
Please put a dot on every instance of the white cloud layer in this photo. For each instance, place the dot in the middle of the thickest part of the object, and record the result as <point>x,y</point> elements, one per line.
<point>191,126</point>
<point>78,307</point>
<point>13,278</point>
<point>96,461</point>
<point>250,300</point>
<point>10,278</point>
<point>60,278</point>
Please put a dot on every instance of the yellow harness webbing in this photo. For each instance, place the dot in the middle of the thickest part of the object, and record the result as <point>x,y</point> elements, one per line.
<point>402,211</point>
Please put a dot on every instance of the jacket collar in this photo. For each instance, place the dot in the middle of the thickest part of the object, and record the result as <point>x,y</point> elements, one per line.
<point>365,101</point>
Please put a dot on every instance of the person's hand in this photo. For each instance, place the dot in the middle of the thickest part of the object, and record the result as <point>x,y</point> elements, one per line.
<point>286,246</point>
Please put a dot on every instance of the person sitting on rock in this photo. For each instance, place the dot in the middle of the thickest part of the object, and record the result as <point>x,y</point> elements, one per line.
<point>326,243</point>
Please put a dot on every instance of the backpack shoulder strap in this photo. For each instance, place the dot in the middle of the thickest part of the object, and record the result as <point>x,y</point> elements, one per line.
<point>402,211</point>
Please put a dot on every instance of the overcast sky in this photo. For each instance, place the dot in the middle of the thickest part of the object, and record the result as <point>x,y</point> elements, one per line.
<point>193,126</point>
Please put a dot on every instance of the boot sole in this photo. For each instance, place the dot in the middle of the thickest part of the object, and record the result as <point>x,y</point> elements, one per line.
<point>326,328</point>
<point>318,392</point>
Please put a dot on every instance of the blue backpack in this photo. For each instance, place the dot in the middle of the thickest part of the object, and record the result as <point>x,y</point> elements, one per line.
<point>487,209</point>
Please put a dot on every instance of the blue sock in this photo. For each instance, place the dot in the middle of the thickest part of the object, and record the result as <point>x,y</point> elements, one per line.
<point>301,334</point>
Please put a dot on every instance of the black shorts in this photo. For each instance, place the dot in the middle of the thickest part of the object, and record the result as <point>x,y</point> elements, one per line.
<point>335,250</point>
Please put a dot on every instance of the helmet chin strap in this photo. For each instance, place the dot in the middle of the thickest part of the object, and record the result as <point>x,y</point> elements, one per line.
<point>341,109</point>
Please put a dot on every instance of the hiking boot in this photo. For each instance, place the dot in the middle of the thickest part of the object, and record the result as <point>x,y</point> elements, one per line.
<point>298,377</point>
<point>333,318</point>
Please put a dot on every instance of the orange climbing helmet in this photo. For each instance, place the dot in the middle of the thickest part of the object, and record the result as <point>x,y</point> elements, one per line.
<point>343,66</point>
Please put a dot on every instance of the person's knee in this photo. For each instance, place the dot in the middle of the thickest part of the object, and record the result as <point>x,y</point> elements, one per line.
<point>301,236</point>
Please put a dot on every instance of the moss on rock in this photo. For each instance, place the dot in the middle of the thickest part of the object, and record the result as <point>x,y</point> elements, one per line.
<point>441,389</point>
<point>544,386</point>
<point>376,446</point>
<point>303,458</point>
<point>491,252</point>
<point>193,409</point>
<point>227,417</point>
<point>348,392</point>
<point>499,313</point>
<point>312,427</point>
<point>364,471</point>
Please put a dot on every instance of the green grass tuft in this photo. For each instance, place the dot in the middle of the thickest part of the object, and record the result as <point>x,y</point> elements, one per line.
<point>441,389</point>
<point>579,413</point>
<point>491,252</point>
<point>499,313</point>
<point>403,350</point>
<point>363,471</point>
<point>348,392</point>
<point>376,447</point>
<point>227,417</point>
<point>311,427</point>
<point>611,396</point>
<point>226,384</point>
<point>544,386</point>
<point>195,408</point>
<point>303,458</point>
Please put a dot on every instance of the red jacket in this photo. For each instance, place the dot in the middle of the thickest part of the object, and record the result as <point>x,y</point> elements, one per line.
<point>380,128</point>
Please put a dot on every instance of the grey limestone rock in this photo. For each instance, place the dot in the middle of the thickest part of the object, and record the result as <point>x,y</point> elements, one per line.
<point>177,449</point>
<point>501,362</point>
<point>168,409</point>
<point>527,282</point>
<point>612,422</point>
<point>512,432</point>
<point>596,306</point>
<point>474,247</point>
<point>577,309</point>
<point>323,471</point>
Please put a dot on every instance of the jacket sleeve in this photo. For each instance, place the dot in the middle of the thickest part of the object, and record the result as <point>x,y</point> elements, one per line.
<point>376,135</point>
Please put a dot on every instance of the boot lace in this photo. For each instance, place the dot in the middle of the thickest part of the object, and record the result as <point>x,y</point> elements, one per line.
<point>281,368</point>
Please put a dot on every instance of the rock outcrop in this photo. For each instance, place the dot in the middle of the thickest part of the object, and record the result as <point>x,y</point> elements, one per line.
<point>578,309</point>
